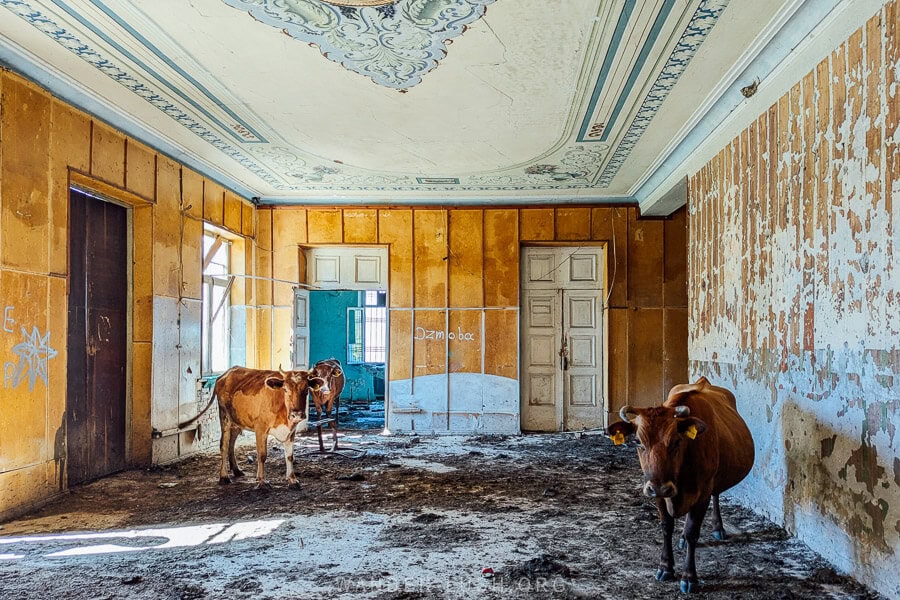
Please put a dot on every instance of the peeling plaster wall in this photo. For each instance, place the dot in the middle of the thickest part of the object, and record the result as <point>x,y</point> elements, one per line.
<point>794,232</point>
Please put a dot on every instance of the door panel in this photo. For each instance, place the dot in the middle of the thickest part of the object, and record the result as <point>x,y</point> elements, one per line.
<point>562,338</point>
<point>97,338</point>
<point>301,328</point>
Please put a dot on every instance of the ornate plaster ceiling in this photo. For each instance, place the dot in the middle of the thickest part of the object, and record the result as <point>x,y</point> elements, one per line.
<point>372,101</point>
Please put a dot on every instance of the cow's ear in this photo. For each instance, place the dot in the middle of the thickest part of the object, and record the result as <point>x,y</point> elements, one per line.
<point>619,431</point>
<point>276,383</point>
<point>691,426</point>
<point>315,383</point>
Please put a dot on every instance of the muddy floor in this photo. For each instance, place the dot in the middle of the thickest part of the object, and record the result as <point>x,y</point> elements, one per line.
<point>553,516</point>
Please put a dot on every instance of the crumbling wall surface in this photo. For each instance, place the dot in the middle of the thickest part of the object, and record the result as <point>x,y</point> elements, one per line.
<point>794,300</point>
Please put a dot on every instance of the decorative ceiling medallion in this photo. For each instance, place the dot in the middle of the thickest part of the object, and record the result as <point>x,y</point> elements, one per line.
<point>393,44</point>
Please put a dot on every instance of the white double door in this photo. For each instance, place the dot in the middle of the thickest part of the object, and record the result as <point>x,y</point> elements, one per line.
<point>562,341</point>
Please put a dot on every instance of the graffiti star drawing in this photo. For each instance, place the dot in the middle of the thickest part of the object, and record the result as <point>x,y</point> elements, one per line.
<point>34,351</point>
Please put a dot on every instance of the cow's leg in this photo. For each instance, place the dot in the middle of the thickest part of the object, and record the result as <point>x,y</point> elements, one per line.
<point>225,443</point>
<point>261,439</point>
<point>232,461</point>
<point>718,527</point>
<point>692,525</point>
<point>666,570</point>
<point>289,463</point>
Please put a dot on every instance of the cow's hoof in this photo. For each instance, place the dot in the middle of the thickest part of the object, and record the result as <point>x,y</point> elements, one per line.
<point>237,472</point>
<point>263,486</point>
<point>720,535</point>
<point>689,587</point>
<point>682,543</point>
<point>664,575</point>
<point>294,485</point>
<point>224,480</point>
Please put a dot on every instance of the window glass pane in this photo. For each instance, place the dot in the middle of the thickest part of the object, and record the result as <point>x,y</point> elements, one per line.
<point>216,325</point>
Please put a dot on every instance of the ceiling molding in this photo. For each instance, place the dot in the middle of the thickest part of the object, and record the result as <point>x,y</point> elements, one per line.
<point>791,47</point>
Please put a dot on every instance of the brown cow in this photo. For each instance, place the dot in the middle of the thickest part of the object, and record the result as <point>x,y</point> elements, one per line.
<point>692,448</point>
<point>267,403</point>
<point>323,399</point>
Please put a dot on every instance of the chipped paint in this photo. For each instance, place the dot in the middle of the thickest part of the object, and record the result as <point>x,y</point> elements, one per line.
<point>795,300</point>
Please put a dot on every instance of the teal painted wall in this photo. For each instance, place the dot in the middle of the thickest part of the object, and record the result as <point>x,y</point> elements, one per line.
<point>328,338</point>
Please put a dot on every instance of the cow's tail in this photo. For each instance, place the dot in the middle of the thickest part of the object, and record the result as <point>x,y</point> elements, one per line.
<point>212,398</point>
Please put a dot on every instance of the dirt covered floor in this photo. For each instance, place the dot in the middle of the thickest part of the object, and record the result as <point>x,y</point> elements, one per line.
<point>554,516</point>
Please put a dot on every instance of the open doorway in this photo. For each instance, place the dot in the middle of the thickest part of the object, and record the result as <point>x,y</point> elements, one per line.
<point>351,326</point>
<point>341,313</point>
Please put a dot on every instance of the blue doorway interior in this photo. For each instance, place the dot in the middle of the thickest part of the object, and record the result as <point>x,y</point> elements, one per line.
<point>351,326</point>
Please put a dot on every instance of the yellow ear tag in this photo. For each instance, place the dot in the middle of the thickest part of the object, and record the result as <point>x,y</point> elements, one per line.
<point>618,438</point>
<point>691,431</point>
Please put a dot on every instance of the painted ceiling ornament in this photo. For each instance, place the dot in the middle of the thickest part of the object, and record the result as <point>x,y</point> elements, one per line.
<point>392,43</point>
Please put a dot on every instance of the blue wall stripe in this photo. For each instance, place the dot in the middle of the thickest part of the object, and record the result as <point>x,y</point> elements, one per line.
<point>624,16</point>
<point>638,65</point>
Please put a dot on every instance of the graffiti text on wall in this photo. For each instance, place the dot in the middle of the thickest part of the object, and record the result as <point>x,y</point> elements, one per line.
<point>34,352</point>
<point>431,334</point>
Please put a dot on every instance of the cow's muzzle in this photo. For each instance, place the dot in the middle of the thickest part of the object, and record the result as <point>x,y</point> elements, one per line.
<point>666,490</point>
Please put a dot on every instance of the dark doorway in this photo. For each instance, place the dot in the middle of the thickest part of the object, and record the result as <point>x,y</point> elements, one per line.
<point>98,304</point>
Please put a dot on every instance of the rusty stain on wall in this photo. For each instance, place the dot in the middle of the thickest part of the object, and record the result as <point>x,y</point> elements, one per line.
<point>794,239</point>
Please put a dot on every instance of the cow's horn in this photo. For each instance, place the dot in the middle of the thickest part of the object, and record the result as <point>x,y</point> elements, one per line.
<point>625,411</point>
<point>682,412</point>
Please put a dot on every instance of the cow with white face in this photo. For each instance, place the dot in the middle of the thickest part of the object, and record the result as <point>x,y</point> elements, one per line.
<point>266,403</point>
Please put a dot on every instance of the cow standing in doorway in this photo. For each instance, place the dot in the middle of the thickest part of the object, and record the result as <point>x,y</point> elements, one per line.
<point>323,398</point>
<point>266,403</point>
<point>692,448</point>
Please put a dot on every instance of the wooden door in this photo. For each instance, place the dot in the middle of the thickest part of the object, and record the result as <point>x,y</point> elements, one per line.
<point>562,338</point>
<point>97,337</point>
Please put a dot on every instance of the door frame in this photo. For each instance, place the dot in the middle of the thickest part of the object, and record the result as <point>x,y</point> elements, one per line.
<point>305,274</point>
<point>83,186</point>
<point>604,246</point>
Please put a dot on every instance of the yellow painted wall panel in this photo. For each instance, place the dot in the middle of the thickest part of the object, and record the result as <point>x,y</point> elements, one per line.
<point>233,208</point>
<point>288,232</point>
<point>26,487</point>
<point>24,225</point>
<point>141,386</point>
<point>264,272</point>
<point>429,349</point>
<point>167,230</point>
<point>140,170</point>
<point>360,226</point>
<point>57,373</point>
<point>325,227</point>
<point>142,294</point>
<point>192,193</point>
<point>248,213</point>
<point>573,224</point>
<point>213,203</point>
<point>108,154</point>
<point>501,257</point>
<point>24,394</point>
<point>430,258</point>
<point>70,146</point>
<point>465,341</point>
<point>611,225</point>
<point>466,258</point>
<point>501,343</point>
<point>536,224</point>
<point>264,228</point>
<point>400,359</point>
<point>264,338</point>
<point>282,334</point>
<point>395,229</point>
<point>192,258</point>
